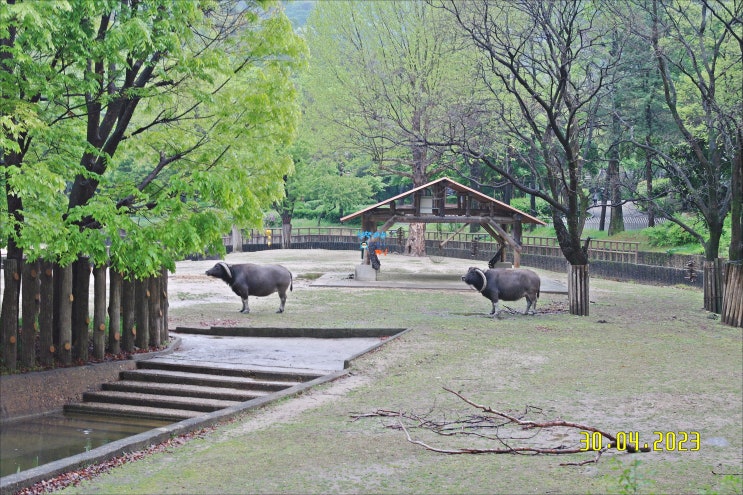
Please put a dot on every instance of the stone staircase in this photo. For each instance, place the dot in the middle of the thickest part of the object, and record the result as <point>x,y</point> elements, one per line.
<point>173,390</point>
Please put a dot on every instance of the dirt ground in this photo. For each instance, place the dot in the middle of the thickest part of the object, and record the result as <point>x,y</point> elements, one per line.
<point>646,360</point>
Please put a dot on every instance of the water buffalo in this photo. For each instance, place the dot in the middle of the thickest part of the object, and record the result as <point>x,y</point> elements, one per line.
<point>249,279</point>
<point>505,284</point>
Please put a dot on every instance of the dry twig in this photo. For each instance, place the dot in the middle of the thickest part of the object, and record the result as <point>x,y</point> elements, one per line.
<point>474,424</point>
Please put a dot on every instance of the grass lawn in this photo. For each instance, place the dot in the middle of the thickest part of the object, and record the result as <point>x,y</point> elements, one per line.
<point>648,359</point>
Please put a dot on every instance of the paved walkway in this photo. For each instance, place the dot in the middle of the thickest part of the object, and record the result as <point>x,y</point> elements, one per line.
<point>268,353</point>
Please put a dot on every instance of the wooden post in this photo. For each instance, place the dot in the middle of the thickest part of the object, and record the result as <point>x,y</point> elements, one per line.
<point>142,296</point>
<point>99,311</point>
<point>154,310</point>
<point>80,314</point>
<point>46,314</point>
<point>578,289</point>
<point>713,285</point>
<point>129,327</point>
<point>63,316</point>
<point>164,333</point>
<point>732,301</point>
<point>10,311</point>
<point>30,312</point>
<point>114,312</point>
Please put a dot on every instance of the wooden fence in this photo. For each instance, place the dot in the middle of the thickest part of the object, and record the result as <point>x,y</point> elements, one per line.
<point>732,303</point>
<point>604,250</point>
<point>54,307</point>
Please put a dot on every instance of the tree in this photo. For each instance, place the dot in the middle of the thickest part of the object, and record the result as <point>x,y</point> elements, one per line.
<point>385,80</point>
<point>165,123</point>
<point>697,47</point>
<point>324,186</point>
<point>545,63</point>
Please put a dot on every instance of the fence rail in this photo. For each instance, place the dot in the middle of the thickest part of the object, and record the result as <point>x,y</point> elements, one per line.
<point>603,250</point>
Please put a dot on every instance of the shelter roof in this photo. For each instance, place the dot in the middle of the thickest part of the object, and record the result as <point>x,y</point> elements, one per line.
<point>470,206</point>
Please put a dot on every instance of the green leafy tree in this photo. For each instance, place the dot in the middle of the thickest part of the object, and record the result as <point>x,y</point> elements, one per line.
<point>698,49</point>
<point>699,63</point>
<point>546,65</point>
<point>161,124</point>
<point>386,80</point>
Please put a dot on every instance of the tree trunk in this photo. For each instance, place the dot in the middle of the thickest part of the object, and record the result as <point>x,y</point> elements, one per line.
<point>578,289</point>
<point>10,311</point>
<point>416,243</point>
<point>286,235</point>
<point>30,312</point>
<point>616,220</point>
<point>80,304</point>
<point>649,183</point>
<point>142,297</point>
<point>732,301</point>
<point>154,311</point>
<point>475,169</point>
<point>237,240</point>
<point>63,315</point>
<point>99,311</point>
<point>129,326</point>
<point>46,314</point>
<point>602,220</point>
<point>735,253</point>
<point>114,312</point>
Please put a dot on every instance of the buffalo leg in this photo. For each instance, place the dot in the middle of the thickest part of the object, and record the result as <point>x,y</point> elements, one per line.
<point>496,310</point>
<point>282,296</point>
<point>245,309</point>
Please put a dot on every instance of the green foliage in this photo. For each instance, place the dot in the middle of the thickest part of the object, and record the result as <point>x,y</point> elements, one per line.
<point>385,76</point>
<point>669,234</point>
<point>729,484</point>
<point>193,115</point>
<point>329,189</point>
<point>326,185</point>
<point>544,211</point>
<point>631,480</point>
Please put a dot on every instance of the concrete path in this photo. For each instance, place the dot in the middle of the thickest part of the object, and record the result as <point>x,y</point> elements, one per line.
<point>277,354</point>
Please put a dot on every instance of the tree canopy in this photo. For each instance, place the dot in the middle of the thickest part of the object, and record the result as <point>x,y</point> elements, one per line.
<point>151,126</point>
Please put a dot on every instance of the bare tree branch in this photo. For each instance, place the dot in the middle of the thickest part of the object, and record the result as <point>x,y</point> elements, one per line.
<point>494,425</point>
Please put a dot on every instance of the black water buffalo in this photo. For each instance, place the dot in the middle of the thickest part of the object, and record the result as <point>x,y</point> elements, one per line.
<point>505,284</point>
<point>249,279</point>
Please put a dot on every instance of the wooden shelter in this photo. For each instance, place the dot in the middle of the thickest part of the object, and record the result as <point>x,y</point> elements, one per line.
<point>447,201</point>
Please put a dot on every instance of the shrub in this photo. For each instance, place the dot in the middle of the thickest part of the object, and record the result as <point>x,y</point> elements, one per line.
<point>669,234</point>
<point>524,204</point>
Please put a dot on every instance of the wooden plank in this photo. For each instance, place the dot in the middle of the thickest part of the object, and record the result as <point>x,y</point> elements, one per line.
<point>30,311</point>
<point>732,310</point>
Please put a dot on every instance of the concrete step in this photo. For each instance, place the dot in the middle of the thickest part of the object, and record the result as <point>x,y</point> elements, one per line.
<point>225,369</point>
<point>158,401</point>
<point>172,390</point>
<point>181,390</point>
<point>204,379</point>
<point>105,409</point>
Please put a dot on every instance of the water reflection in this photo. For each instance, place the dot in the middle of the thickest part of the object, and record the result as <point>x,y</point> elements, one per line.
<point>29,443</point>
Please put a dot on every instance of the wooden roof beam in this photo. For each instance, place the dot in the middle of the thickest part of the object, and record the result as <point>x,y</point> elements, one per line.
<point>437,219</point>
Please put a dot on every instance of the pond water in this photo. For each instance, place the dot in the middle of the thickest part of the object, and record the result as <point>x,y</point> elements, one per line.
<point>31,442</point>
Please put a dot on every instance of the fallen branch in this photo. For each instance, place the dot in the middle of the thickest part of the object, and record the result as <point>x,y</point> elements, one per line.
<point>475,425</point>
<point>532,424</point>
